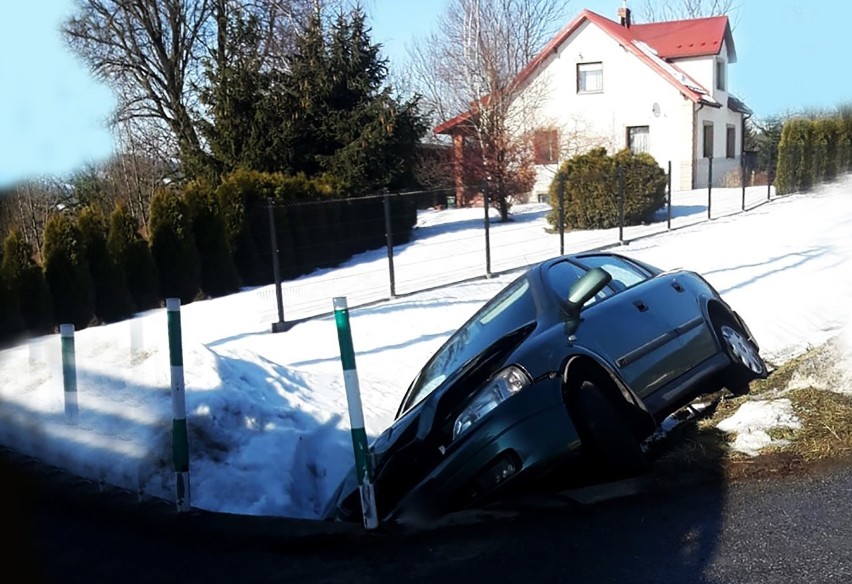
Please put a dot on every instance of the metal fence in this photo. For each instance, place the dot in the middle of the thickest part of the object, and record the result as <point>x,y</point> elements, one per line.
<point>453,245</point>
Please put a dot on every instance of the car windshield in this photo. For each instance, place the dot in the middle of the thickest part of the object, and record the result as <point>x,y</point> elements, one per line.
<point>512,308</point>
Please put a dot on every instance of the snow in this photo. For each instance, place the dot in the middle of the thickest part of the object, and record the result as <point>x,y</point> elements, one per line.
<point>753,420</point>
<point>269,431</point>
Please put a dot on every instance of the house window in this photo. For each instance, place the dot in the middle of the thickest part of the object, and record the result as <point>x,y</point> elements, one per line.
<point>731,142</point>
<point>708,140</point>
<point>589,77</point>
<point>546,147</point>
<point>638,139</point>
<point>720,75</point>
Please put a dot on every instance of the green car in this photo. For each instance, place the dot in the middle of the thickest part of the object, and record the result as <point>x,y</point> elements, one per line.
<point>568,368</point>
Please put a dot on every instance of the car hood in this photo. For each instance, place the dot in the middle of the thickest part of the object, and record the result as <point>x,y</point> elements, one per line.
<point>407,450</point>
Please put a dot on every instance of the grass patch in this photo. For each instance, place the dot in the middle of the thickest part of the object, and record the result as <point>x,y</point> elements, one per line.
<point>825,415</point>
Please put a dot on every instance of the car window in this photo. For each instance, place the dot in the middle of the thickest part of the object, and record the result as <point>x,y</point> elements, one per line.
<point>624,274</point>
<point>512,308</point>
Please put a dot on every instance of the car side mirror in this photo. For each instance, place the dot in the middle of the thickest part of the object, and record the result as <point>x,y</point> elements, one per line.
<point>586,287</point>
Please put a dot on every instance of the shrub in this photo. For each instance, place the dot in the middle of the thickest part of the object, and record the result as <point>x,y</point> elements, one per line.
<point>219,275</point>
<point>796,157</point>
<point>67,271</point>
<point>589,186</point>
<point>173,246</point>
<point>242,198</point>
<point>27,282</point>
<point>133,256</point>
<point>112,298</point>
<point>11,321</point>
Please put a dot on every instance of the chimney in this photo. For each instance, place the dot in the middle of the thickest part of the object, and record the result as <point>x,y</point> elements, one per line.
<point>624,15</point>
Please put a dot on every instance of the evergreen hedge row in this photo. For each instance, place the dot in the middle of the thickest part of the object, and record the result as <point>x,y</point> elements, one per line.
<point>811,152</point>
<point>315,225</point>
<point>203,240</point>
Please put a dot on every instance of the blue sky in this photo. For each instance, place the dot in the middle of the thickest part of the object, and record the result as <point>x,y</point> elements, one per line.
<point>792,54</point>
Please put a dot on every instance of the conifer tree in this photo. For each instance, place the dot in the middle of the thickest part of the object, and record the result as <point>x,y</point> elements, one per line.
<point>11,321</point>
<point>173,247</point>
<point>67,271</point>
<point>112,299</point>
<point>133,256</point>
<point>26,279</point>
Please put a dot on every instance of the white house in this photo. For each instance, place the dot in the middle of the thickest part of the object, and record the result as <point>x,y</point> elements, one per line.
<point>660,88</point>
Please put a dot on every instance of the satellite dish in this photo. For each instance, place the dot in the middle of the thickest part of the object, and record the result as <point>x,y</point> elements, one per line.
<point>656,109</point>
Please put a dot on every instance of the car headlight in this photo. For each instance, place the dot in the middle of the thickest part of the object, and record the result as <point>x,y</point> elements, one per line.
<point>505,384</point>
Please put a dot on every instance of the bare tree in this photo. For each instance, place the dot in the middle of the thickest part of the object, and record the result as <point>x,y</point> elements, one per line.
<point>660,10</point>
<point>469,67</point>
<point>28,205</point>
<point>150,49</point>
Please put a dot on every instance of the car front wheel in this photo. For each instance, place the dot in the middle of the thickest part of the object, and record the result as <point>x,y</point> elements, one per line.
<point>608,445</point>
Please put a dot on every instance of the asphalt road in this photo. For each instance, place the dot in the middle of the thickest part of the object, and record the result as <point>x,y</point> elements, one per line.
<point>784,530</point>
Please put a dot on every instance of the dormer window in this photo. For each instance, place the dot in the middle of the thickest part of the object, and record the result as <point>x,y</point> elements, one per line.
<point>721,72</point>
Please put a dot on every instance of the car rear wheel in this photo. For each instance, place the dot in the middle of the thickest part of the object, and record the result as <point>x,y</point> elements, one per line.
<point>746,362</point>
<point>608,445</point>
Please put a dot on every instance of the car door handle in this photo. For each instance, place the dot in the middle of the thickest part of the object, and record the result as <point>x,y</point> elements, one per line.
<point>640,304</point>
<point>676,285</point>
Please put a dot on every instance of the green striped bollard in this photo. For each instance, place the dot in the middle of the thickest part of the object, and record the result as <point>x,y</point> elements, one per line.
<point>69,371</point>
<point>363,465</point>
<point>180,444</point>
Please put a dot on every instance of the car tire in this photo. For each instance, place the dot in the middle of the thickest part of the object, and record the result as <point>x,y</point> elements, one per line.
<point>746,362</point>
<point>608,445</point>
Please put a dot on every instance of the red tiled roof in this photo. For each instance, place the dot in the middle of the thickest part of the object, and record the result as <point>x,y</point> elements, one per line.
<point>681,38</point>
<point>698,37</point>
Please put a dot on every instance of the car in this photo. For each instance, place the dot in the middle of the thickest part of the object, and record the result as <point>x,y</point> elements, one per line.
<point>567,370</point>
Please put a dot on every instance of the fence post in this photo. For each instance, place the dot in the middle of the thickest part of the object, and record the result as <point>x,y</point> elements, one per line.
<point>279,326</point>
<point>486,204</point>
<point>669,197</point>
<point>180,442</point>
<point>620,176</point>
<point>709,184</point>
<point>562,219</point>
<point>743,177</point>
<point>389,240</point>
<point>69,372</point>
<point>363,464</point>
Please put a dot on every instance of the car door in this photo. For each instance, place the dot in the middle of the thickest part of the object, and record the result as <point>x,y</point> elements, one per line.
<point>625,325</point>
<point>684,314</point>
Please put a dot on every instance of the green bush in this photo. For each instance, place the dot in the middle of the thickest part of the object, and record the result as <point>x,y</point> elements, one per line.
<point>813,151</point>
<point>112,298</point>
<point>133,256</point>
<point>11,321</point>
<point>67,271</point>
<point>825,136</point>
<point>242,198</point>
<point>26,279</point>
<point>219,274</point>
<point>589,186</point>
<point>173,246</point>
<point>314,225</point>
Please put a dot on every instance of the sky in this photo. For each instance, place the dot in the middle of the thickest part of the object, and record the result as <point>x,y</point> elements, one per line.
<point>269,431</point>
<point>52,112</point>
